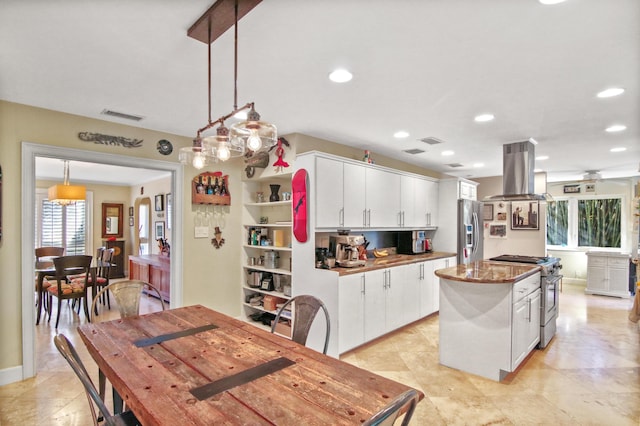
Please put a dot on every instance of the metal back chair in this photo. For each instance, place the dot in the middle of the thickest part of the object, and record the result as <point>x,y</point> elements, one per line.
<point>388,415</point>
<point>66,265</point>
<point>127,296</point>
<point>305,309</point>
<point>65,347</point>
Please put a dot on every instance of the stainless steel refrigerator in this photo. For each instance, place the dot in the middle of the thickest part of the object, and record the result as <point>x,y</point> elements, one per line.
<point>470,231</point>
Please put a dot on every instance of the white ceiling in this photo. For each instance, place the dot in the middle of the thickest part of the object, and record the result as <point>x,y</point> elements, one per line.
<point>424,66</point>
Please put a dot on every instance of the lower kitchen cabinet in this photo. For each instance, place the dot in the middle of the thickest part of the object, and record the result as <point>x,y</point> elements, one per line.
<point>608,274</point>
<point>526,327</point>
<point>373,303</point>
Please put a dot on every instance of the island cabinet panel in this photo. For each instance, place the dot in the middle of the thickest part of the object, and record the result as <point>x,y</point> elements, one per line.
<point>153,269</point>
<point>500,321</point>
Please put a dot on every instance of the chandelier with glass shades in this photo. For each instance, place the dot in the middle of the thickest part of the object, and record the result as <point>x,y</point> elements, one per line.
<point>251,134</point>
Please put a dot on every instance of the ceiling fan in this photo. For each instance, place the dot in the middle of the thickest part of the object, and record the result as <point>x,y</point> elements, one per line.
<point>591,176</point>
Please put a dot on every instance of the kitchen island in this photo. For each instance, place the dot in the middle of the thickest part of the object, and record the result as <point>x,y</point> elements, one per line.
<point>489,316</point>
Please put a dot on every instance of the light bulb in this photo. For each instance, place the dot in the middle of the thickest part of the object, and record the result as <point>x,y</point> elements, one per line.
<point>223,152</point>
<point>198,160</point>
<point>254,142</point>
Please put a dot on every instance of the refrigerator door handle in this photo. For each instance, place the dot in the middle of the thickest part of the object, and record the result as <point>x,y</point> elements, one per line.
<point>476,232</point>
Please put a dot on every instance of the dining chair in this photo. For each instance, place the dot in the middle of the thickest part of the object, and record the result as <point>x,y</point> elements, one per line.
<point>44,259</point>
<point>127,297</point>
<point>68,351</point>
<point>306,308</point>
<point>77,291</point>
<point>102,273</point>
<point>389,414</point>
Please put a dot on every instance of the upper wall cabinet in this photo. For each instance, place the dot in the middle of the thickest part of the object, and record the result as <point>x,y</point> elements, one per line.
<point>353,195</point>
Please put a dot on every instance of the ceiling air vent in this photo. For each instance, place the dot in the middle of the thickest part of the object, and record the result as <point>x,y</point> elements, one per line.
<point>413,151</point>
<point>454,165</point>
<point>121,115</point>
<point>431,140</point>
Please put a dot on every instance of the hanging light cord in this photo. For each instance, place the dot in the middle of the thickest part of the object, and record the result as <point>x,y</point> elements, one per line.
<point>236,110</point>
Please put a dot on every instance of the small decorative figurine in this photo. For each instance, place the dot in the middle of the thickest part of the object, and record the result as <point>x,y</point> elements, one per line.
<point>218,241</point>
<point>280,163</point>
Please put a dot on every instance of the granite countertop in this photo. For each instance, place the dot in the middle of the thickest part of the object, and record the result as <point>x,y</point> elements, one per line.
<point>488,272</point>
<point>392,260</point>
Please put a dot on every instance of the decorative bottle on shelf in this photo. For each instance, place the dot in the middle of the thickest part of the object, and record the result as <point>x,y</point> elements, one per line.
<point>209,187</point>
<point>199,186</point>
<point>274,193</point>
<point>223,187</point>
<point>367,157</point>
<point>216,187</point>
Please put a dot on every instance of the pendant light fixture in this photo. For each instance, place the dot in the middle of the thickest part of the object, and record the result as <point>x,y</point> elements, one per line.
<point>66,194</point>
<point>252,134</point>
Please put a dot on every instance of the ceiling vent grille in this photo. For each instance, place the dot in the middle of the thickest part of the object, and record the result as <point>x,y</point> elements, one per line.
<point>413,151</point>
<point>431,140</point>
<point>121,115</point>
<point>454,165</point>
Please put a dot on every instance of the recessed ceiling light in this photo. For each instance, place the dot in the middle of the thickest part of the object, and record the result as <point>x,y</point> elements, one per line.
<point>608,93</point>
<point>550,2</point>
<point>618,149</point>
<point>478,165</point>
<point>401,134</point>
<point>340,76</point>
<point>616,128</point>
<point>447,153</point>
<point>542,157</point>
<point>484,117</point>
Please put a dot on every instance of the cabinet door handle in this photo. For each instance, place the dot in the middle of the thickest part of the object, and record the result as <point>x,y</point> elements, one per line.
<point>399,218</point>
<point>403,218</point>
<point>341,216</point>
<point>364,217</point>
<point>389,284</point>
<point>362,285</point>
<point>369,217</point>
<point>529,303</point>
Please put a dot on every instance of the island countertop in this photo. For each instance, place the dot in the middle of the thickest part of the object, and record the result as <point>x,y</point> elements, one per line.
<point>488,272</point>
<point>391,261</point>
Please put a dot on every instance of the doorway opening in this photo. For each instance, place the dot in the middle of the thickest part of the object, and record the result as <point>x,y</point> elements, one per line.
<point>29,153</point>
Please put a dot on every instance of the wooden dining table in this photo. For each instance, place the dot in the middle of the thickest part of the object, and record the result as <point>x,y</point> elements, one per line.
<point>195,366</point>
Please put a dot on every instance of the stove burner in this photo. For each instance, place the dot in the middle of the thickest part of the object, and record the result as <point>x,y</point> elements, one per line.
<point>521,259</point>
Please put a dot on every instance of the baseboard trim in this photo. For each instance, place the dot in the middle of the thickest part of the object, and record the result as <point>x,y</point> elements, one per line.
<point>10,375</point>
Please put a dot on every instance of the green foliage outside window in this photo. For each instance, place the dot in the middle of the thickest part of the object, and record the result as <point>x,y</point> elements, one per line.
<point>599,222</point>
<point>557,223</point>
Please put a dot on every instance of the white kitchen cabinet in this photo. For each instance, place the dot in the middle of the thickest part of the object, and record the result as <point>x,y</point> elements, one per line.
<point>526,327</point>
<point>351,293</point>
<point>329,192</point>
<point>374,304</point>
<point>440,264</point>
<point>355,205</point>
<point>396,305</point>
<point>608,274</point>
<point>382,198</point>
<point>410,278</point>
<point>426,280</point>
<point>418,202</point>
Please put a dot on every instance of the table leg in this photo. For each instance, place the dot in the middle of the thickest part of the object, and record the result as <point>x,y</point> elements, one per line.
<point>117,401</point>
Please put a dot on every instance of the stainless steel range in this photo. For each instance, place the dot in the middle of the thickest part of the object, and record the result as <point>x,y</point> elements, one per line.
<point>550,286</point>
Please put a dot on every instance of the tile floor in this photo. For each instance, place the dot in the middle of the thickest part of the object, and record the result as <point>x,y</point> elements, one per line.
<point>588,375</point>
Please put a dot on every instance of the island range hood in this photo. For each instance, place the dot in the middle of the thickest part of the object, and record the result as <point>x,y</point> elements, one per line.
<point>518,177</point>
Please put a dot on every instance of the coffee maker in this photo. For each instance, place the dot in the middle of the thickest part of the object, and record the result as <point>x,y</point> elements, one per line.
<point>346,249</point>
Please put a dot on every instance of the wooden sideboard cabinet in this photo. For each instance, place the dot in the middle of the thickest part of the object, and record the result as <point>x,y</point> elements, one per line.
<point>117,271</point>
<point>154,269</point>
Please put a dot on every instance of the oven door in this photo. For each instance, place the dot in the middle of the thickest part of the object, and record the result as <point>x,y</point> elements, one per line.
<point>550,287</point>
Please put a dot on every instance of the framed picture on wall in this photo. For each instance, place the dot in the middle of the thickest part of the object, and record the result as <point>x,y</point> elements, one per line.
<point>131,211</point>
<point>524,215</point>
<point>159,230</point>
<point>130,220</point>
<point>159,202</point>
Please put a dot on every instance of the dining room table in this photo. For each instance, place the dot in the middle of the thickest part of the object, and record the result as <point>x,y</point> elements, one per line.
<point>195,366</point>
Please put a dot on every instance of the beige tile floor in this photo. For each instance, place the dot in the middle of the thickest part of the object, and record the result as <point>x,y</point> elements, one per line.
<point>588,375</point>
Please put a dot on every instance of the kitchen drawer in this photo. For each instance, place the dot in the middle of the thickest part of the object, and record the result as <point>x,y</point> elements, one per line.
<point>619,262</point>
<point>597,261</point>
<point>526,286</point>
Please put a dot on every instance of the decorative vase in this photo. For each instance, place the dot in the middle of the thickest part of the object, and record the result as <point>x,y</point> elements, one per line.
<point>274,193</point>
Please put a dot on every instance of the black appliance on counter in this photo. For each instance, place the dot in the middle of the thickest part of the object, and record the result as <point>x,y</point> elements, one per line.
<point>414,242</point>
<point>550,290</point>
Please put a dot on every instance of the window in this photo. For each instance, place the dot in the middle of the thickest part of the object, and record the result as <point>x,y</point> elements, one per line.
<point>585,222</point>
<point>63,226</point>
